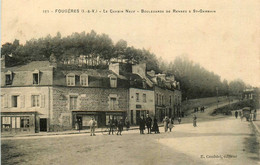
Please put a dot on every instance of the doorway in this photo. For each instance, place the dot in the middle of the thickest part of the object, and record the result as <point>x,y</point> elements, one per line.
<point>43,124</point>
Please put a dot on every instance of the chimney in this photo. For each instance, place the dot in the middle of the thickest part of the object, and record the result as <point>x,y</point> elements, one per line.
<point>114,67</point>
<point>139,69</point>
<point>3,61</point>
<point>151,73</point>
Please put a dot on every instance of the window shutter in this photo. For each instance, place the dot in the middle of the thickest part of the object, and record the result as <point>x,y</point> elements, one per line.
<point>42,101</point>
<point>9,101</point>
<point>22,100</point>
<point>29,101</point>
<point>5,101</point>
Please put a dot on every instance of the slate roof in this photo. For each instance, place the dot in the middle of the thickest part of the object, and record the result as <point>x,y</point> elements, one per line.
<point>39,65</point>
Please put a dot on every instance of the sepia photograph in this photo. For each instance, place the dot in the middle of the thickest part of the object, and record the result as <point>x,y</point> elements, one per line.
<point>116,82</point>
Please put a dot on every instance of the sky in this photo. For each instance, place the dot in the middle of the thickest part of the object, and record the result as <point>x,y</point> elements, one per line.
<point>226,42</point>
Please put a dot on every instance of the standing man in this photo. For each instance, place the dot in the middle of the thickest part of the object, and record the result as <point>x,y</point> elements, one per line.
<point>111,126</point>
<point>148,122</point>
<point>120,126</point>
<point>236,114</point>
<point>127,124</point>
<point>92,123</point>
<point>142,125</point>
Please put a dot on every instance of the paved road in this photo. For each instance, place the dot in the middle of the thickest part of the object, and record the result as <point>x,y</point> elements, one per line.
<point>222,141</point>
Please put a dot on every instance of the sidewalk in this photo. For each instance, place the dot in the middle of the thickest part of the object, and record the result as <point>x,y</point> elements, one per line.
<point>257,122</point>
<point>69,132</point>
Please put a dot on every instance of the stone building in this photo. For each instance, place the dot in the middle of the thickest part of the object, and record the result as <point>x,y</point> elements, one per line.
<point>25,97</point>
<point>41,96</point>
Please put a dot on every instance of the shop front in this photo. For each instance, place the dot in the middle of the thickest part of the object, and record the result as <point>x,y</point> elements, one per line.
<point>81,119</point>
<point>20,122</point>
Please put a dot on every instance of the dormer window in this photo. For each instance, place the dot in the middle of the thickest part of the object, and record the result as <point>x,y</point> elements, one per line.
<point>71,79</point>
<point>84,80</point>
<point>8,78</point>
<point>144,84</point>
<point>36,77</point>
<point>113,81</point>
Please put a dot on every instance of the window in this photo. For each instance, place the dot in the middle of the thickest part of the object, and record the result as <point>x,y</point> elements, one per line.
<point>25,122</point>
<point>6,122</point>
<point>35,100</point>
<point>71,80</point>
<point>113,82</point>
<point>157,98</point>
<point>84,80</point>
<point>170,100</point>
<point>35,78</point>
<point>14,101</point>
<point>112,103</point>
<point>137,97</point>
<point>8,79</point>
<point>73,102</point>
<point>144,98</point>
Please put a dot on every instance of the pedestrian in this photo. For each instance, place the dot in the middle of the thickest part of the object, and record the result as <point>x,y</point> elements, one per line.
<point>148,123</point>
<point>111,126</point>
<point>116,124</point>
<point>236,114</point>
<point>171,124</point>
<point>120,126</point>
<point>142,125</point>
<point>92,123</point>
<point>179,120</point>
<point>127,124</point>
<point>194,121</point>
<point>255,115</point>
<point>155,126</point>
<point>165,123</point>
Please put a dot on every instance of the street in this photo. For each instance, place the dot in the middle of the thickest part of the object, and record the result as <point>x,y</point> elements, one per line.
<point>222,141</point>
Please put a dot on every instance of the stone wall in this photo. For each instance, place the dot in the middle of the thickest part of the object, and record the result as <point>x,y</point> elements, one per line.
<point>88,100</point>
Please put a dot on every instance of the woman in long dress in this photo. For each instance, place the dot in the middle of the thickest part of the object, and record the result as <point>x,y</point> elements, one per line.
<point>165,123</point>
<point>194,121</point>
<point>155,126</point>
<point>170,125</point>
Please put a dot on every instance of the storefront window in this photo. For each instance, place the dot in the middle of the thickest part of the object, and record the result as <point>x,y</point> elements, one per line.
<point>25,122</point>
<point>6,122</point>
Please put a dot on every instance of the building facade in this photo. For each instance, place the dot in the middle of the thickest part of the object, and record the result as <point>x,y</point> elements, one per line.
<point>25,97</point>
<point>41,96</point>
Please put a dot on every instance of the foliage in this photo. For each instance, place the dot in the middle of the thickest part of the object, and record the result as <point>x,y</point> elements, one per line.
<point>196,81</point>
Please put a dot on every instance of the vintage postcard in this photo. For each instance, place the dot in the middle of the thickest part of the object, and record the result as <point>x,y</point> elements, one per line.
<point>130,82</point>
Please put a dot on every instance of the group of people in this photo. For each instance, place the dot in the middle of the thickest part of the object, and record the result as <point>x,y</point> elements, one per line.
<point>118,125</point>
<point>148,123</point>
<point>152,125</point>
<point>196,109</point>
<point>251,117</point>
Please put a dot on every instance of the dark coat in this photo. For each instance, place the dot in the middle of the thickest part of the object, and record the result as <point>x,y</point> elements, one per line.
<point>155,126</point>
<point>120,125</point>
<point>142,124</point>
<point>148,122</point>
